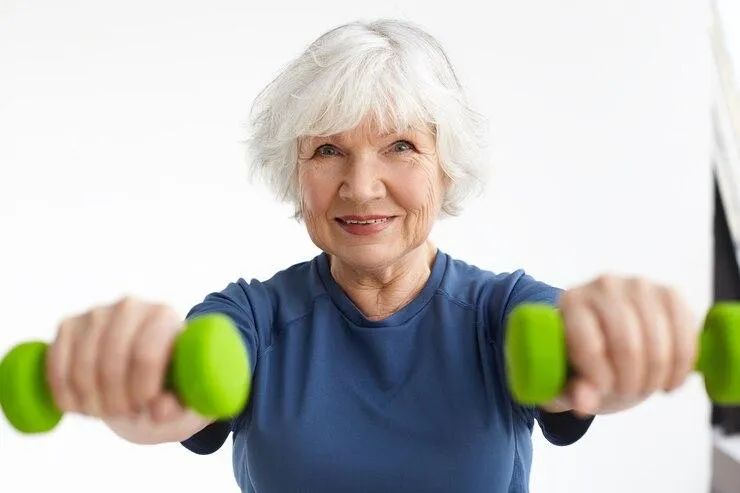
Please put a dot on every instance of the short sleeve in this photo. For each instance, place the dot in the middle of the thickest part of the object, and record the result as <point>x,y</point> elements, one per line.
<point>241,301</point>
<point>563,428</point>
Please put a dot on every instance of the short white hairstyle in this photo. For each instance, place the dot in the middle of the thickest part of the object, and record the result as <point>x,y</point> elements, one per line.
<point>390,70</point>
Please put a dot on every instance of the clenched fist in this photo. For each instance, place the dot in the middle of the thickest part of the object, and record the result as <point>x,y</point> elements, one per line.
<point>111,361</point>
<point>627,338</point>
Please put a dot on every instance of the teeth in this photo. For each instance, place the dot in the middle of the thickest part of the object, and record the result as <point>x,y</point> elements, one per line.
<point>371,221</point>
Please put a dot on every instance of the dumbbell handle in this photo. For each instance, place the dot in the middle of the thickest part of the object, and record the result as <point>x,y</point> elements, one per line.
<point>538,370</point>
<point>209,372</point>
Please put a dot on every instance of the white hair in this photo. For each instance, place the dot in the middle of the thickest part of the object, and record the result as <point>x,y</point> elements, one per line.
<point>390,70</point>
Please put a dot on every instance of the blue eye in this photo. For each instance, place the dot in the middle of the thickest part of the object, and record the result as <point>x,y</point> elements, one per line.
<point>326,150</point>
<point>403,146</point>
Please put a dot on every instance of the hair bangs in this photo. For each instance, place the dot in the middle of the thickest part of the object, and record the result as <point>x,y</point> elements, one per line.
<point>371,89</point>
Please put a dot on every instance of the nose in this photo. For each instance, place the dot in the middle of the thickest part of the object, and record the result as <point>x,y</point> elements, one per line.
<point>362,182</point>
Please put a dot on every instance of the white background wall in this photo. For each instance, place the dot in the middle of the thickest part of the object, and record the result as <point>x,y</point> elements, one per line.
<point>121,172</point>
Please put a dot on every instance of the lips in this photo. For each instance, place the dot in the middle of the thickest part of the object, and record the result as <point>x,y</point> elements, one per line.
<point>364,219</point>
<point>364,225</point>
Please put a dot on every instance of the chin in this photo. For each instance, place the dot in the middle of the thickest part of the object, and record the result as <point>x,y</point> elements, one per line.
<point>368,257</point>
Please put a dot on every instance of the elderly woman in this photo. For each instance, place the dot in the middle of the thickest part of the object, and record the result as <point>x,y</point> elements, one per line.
<point>377,365</point>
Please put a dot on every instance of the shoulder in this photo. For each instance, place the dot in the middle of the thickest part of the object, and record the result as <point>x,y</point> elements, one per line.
<point>300,282</point>
<point>258,305</point>
<point>476,286</point>
<point>290,291</point>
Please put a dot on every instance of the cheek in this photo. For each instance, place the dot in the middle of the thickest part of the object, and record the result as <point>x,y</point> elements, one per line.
<point>421,194</point>
<point>315,193</point>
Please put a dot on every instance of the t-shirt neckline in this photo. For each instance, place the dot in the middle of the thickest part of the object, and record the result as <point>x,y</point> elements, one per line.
<point>350,310</point>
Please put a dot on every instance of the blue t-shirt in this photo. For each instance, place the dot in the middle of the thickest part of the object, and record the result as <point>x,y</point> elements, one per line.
<point>415,402</point>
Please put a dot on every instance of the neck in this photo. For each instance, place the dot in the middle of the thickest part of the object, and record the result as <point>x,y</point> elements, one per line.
<point>382,292</point>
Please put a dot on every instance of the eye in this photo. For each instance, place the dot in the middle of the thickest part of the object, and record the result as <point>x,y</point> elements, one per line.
<point>327,150</point>
<point>403,146</point>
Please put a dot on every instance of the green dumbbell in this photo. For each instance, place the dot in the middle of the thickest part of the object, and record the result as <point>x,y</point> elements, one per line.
<point>537,365</point>
<point>209,372</point>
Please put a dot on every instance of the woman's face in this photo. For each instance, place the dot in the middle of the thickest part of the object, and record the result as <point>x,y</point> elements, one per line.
<point>368,199</point>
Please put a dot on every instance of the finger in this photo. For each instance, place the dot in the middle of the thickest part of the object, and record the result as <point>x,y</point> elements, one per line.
<point>684,339</point>
<point>165,408</point>
<point>150,354</point>
<point>657,335</point>
<point>585,397</point>
<point>623,334</point>
<point>58,366</point>
<point>85,361</point>
<point>580,396</point>
<point>116,345</point>
<point>586,344</point>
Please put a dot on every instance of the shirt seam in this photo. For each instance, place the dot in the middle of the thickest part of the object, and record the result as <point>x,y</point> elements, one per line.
<point>277,335</point>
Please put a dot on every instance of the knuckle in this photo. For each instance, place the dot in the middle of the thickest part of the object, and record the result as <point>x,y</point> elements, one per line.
<point>571,297</point>
<point>671,293</point>
<point>163,312</point>
<point>677,307</point>
<point>607,283</point>
<point>673,299</point>
<point>126,304</point>
<point>97,317</point>
<point>66,330</point>
<point>640,286</point>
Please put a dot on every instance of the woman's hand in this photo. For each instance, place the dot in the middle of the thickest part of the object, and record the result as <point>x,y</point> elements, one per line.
<point>627,338</point>
<point>111,362</point>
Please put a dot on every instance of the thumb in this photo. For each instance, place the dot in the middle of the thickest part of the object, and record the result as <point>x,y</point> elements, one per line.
<point>165,407</point>
<point>584,396</point>
<point>580,395</point>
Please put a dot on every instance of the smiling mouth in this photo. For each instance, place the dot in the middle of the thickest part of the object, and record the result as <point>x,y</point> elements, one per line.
<point>378,220</point>
<point>364,225</point>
